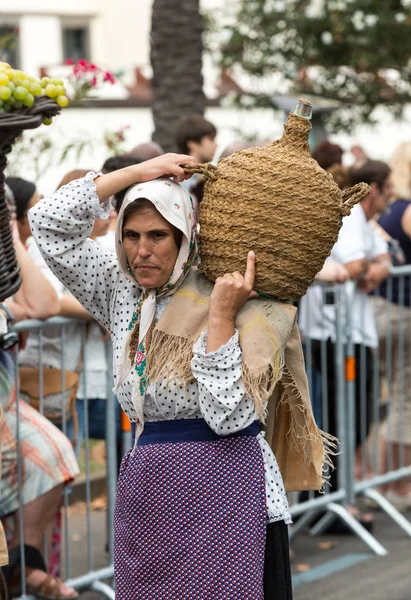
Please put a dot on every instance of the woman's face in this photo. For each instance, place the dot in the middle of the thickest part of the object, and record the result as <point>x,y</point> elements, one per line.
<point>150,247</point>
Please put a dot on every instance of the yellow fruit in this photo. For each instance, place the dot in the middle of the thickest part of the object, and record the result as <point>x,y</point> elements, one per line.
<point>62,101</point>
<point>50,90</point>
<point>5,92</point>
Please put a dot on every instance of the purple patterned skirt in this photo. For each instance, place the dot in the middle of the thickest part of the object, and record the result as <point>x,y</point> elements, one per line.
<point>190,517</point>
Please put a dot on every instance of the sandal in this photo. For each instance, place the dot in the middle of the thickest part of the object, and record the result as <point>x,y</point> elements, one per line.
<point>47,589</point>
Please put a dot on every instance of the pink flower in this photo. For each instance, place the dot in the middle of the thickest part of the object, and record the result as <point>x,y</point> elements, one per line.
<point>79,70</point>
<point>82,62</point>
<point>109,77</point>
<point>139,357</point>
<point>93,67</point>
<point>93,82</point>
<point>69,61</point>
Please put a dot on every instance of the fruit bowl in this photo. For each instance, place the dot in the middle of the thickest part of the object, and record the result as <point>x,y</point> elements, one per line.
<point>11,126</point>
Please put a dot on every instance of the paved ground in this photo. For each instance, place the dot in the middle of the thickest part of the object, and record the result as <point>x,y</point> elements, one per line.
<point>349,570</point>
<point>331,568</point>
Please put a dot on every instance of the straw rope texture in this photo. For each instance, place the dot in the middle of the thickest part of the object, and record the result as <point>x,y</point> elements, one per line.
<point>277,201</point>
<point>11,126</point>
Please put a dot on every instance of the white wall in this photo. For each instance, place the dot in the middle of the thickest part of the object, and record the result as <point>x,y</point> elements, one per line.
<point>52,7</point>
<point>119,30</point>
<point>120,35</point>
<point>35,47</point>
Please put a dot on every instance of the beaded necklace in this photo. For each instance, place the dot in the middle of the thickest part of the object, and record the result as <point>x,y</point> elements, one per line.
<point>138,352</point>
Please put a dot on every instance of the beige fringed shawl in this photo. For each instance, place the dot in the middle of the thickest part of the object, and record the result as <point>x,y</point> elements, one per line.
<point>273,370</point>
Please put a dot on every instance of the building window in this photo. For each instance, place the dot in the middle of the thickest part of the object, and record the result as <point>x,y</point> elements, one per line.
<point>9,45</point>
<point>76,43</point>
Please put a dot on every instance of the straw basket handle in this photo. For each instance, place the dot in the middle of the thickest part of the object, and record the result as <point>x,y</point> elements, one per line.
<point>352,196</point>
<point>209,171</point>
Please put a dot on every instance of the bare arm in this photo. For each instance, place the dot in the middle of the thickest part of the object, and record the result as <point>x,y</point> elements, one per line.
<point>333,272</point>
<point>70,307</point>
<point>19,311</point>
<point>357,268</point>
<point>378,270</point>
<point>36,295</point>
<point>167,164</point>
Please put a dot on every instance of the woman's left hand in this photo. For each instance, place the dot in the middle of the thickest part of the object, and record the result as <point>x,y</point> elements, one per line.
<point>164,165</point>
<point>231,292</point>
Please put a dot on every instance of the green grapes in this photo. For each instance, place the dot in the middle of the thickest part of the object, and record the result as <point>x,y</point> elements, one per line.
<point>51,90</point>
<point>18,90</point>
<point>35,88</point>
<point>5,92</point>
<point>62,101</point>
<point>20,93</point>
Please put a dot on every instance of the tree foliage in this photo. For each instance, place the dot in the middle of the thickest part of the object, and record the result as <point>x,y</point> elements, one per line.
<point>356,51</point>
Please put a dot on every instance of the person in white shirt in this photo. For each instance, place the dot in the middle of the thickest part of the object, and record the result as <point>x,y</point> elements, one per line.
<point>364,254</point>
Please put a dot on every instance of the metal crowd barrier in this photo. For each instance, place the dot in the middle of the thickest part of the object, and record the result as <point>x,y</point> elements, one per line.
<point>98,579</point>
<point>352,482</point>
<point>365,472</point>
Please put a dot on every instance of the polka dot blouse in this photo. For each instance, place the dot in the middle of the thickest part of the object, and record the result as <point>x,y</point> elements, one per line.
<point>61,225</point>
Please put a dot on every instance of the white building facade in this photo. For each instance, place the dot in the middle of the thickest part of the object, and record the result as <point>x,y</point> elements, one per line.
<point>112,33</point>
<point>115,34</point>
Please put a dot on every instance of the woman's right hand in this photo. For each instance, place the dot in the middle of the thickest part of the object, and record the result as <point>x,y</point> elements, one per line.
<point>231,292</point>
<point>165,165</point>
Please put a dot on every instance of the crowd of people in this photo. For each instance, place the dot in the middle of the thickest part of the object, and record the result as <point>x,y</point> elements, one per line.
<point>66,247</point>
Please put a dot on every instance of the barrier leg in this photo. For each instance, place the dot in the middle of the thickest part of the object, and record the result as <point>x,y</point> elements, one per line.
<point>358,529</point>
<point>104,589</point>
<point>323,524</point>
<point>390,510</point>
<point>302,522</point>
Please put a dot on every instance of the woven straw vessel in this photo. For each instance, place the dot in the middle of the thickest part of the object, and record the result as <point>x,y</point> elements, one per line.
<point>277,201</point>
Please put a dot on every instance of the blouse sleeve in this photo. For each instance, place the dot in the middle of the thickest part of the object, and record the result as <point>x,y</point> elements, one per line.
<point>223,401</point>
<point>61,225</point>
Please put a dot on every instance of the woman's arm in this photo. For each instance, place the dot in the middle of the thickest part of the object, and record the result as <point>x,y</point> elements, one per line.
<point>62,223</point>
<point>36,296</point>
<point>217,360</point>
<point>19,311</point>
<point>168,164</point>
<point>70,307</point>
<point>230,293</point>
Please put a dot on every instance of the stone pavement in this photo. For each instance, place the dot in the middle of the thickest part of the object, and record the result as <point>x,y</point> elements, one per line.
<point>342,567</point>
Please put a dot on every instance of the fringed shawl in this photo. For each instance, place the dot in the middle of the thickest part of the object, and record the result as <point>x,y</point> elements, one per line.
<point>273,371</point>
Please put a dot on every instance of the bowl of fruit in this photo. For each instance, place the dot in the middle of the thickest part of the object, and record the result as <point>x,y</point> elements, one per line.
<point>25,103</point>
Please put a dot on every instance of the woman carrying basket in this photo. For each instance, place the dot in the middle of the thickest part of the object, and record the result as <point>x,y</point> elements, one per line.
<point>201,510</point>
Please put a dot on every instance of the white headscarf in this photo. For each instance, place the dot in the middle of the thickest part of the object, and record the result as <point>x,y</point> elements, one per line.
<point>176,206</point>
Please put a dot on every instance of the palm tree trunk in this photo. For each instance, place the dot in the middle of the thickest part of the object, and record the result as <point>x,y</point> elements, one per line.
<point>176,59</point>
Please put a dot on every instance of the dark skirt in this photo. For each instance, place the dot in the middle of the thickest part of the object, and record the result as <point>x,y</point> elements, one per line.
<point>190,517</point>
<point>277,571</point>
